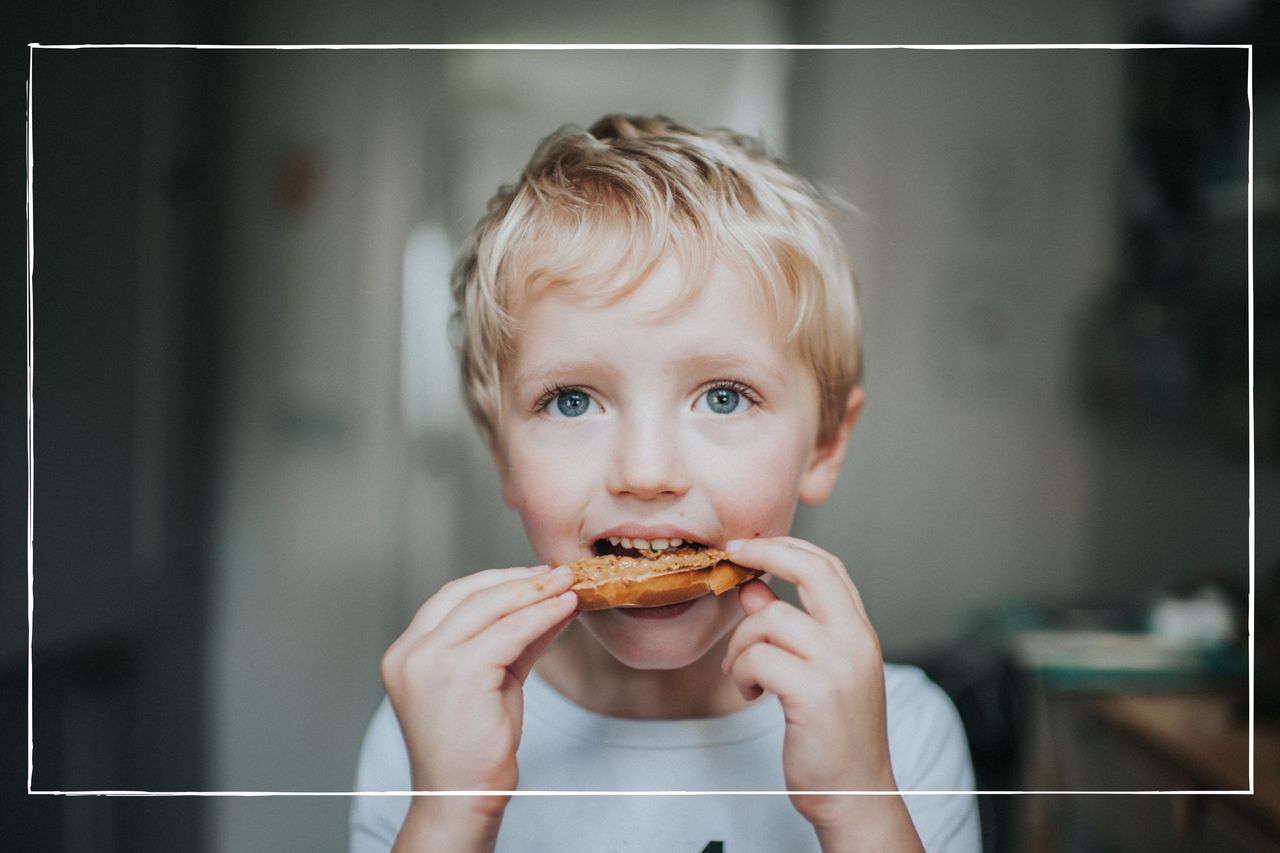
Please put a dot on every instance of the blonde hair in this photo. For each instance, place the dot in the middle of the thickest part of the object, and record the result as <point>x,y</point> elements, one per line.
<point>597,210</point>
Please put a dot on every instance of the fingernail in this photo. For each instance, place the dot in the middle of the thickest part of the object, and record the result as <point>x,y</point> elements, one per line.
<point>543,568</point>
<point>732,545</point>
<point>561,572</point>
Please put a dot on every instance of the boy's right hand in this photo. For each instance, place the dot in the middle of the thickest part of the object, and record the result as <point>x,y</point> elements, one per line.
<point>455,677</point>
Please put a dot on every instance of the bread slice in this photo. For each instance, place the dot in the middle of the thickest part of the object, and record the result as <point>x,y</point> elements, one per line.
<point>655,578</point>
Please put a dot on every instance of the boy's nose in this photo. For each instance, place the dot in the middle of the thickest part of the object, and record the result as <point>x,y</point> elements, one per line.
<point>648,461</point>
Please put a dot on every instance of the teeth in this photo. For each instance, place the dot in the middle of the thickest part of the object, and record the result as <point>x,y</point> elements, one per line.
<point>646,544</point>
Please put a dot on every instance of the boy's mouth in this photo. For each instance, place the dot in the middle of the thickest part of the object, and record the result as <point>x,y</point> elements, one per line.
<point>642,548</point>
<point>651,573</point>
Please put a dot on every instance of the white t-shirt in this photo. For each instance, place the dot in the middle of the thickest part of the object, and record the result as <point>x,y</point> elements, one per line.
<point>566,748</point>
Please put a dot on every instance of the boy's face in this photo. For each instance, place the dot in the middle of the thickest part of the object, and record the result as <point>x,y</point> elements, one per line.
<point>624,420</point>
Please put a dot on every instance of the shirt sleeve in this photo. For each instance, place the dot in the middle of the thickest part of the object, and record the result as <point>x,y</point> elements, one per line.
<point>930,752</point>
<point>383,766</point>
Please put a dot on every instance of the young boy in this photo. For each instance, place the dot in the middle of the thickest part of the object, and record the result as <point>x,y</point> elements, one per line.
<point>659,336</point>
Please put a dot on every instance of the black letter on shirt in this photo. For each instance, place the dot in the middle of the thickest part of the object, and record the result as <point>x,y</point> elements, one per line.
<point>714,847</point>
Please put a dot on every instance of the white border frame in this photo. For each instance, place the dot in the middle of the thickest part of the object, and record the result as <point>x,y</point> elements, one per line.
<point>32,47</point>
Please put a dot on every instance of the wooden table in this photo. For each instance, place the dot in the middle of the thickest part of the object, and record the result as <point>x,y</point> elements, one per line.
<point>1201,737</point>
<point>1180,741</point>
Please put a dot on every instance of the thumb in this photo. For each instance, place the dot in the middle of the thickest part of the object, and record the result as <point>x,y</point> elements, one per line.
<point>526,660</point>
<point>754,595</point>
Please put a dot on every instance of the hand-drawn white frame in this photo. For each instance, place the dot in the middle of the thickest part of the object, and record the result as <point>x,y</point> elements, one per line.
<point>35,46</point>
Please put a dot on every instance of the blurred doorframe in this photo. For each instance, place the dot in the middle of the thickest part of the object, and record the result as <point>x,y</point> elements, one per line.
<point>126,358</point>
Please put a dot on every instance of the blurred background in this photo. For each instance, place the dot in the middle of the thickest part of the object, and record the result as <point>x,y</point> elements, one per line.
<point>252,464</point>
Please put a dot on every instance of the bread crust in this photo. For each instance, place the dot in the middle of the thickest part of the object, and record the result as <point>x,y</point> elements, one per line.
<point>656,578</point>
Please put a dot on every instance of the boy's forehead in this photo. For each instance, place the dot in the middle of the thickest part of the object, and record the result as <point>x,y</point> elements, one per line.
<point>718,315</point>
<point>657,292</point>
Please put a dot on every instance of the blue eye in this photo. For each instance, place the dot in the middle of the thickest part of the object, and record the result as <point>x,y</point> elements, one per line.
<point>572,403</point>
<point>723,401</point>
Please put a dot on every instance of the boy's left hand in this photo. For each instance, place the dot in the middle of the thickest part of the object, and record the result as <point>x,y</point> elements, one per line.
<point>825,666</point>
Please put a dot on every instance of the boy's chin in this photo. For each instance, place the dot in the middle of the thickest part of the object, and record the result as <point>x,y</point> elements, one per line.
<point>652,657</point>
<point>662,644</point>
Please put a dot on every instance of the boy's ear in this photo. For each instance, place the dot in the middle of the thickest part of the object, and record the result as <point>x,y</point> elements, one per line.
<point>820,476</point>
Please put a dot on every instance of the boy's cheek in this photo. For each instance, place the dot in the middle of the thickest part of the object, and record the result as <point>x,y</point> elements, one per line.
<point>756,489</point>
<point>760,521</point>
<point>550,466</point>
<point>550,496</point>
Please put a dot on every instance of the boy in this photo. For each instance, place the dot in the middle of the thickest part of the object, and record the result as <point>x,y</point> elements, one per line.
<point>659,337</point>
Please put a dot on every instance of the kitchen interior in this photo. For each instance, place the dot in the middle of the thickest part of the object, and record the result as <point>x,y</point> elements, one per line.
<point>252,464</point>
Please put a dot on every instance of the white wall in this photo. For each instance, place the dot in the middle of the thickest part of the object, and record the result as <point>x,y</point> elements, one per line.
<point>986,184</point>
<point>989,187</point>
<point>308,557</point>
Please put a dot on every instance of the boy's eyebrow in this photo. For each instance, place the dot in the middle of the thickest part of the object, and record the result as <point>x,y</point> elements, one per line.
<point>541,369</point>
<point>733,363</point>
<point>709,361</point>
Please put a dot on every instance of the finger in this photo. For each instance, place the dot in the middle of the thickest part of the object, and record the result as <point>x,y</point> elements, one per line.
<point>766,667</point>
<point>779,624</point>
<point>754,595</point>
<point>830,559</point>
<point>534,650</point>
<point>815,573</point>
<point>449,596</point>
<point>836,565</point>
<point>486,606</point>
<point>499,646</point>
<point>842,572</point>
<point>536,584</point>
